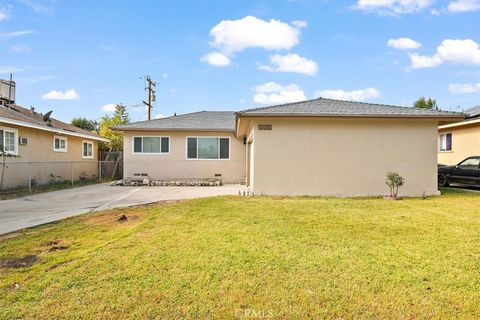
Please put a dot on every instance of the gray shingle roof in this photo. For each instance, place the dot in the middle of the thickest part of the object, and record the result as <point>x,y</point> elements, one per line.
<point>30,117</point>
<point>202,121</point>
<point>473,112</point>
<point>330,107</point>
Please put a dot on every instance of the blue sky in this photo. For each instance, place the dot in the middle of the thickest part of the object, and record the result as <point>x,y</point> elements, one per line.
<point>76,57</point>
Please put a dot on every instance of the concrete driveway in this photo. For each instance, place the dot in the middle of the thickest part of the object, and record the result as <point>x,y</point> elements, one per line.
<point>25,212</point>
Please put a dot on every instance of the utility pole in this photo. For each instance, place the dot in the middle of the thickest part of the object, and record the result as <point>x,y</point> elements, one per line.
<point>151,96</point>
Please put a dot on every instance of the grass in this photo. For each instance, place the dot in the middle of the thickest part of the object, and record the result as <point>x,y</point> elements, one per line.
<point>53,186</point>
<point>232,257</point>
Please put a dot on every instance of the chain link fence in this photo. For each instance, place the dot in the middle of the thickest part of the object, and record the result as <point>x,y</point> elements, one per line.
<point>22,175</point>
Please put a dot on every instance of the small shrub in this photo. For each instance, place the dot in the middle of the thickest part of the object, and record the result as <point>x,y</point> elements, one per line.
<point>83,176</point>
<point>394,181</point>
<point>54,178</point>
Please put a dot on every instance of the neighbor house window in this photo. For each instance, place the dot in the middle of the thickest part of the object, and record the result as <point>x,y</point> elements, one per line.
<point>8,139</point>
<point>60,144</point>
<point>87,151</point>
<point>208,148</point>
<point>151,145</point>
<point>446,142</point>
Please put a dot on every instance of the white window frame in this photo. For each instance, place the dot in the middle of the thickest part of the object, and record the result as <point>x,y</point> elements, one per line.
<point>216,137</point>
<point>61,138</point>
<point>152,153</point>
<point>440,141</point>
<point>15,133</point>
<point>83,149</point>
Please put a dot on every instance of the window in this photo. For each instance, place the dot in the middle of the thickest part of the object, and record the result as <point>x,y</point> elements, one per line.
<point>8,139</point>
<point>87,151</point>
<point>151,145</point>
<point>208,148</point>
<point>60,144</point>
<point>470,164</point>
<point>446,142</point>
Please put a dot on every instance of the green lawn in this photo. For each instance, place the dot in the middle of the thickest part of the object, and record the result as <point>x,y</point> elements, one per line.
<point>232,257</point>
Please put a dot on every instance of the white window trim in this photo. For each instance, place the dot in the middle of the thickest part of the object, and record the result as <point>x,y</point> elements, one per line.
<point>216,137</point>
<point>15,132</point>
<point>83,150</point>
<point>66,144</point>
<point>152,153</point>
<point>440,142</point>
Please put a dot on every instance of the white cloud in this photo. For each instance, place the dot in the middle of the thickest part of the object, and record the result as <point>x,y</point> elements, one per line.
<point>457,6</point>
<point>9,69</point>
<point>41,7</point>
<point>109,107</point>
<point>291,63</point>
<point>20,48</point>
<point>395,7</point>
<point>355,95</point>
<point>216,59</point>
<point>450,51</point>
<point>69,94</point>
<point>4,13</point>
<point>13,34</point>
<point>160,116</point>
<point>230,36</point>
<point>274,93</point>
<point>459,88</point>
<point>404,44</point>
<point>299,23</point>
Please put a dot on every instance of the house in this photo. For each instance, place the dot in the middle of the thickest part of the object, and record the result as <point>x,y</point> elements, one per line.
<point>457,141</point>
<point>314,147</point>
<point>195,145</point>
<point>43,147</point>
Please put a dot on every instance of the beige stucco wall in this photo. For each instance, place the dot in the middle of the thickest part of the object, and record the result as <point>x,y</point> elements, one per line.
<point>40,152</point>
<point>175,164</point>
<point>342,157</point>
<point>465,143</point>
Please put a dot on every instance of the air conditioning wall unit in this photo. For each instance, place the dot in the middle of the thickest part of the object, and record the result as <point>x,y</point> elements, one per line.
<point>23,141</point>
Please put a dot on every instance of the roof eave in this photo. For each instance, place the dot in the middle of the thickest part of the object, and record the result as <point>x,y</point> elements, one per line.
<point>454,117</point>
<point>467,122</point>
<point>174,129</point>
<point>51,129</point>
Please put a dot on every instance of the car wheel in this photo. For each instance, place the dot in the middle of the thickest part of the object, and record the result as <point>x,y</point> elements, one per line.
<point>442,180</point>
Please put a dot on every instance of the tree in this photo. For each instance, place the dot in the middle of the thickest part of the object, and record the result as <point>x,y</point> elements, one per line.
<point>394,181</point>
<point>84,123</point>
<point>423,103</point>
<point>120,117</point>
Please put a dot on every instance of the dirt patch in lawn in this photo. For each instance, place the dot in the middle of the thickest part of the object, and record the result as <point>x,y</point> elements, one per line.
<point>51,243</point>
<point>115,216</point>
<point>55,245</point>
<point>13,287</point>
<point>58,248</point>
<point>22,262</point>
<point>124,218</point>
